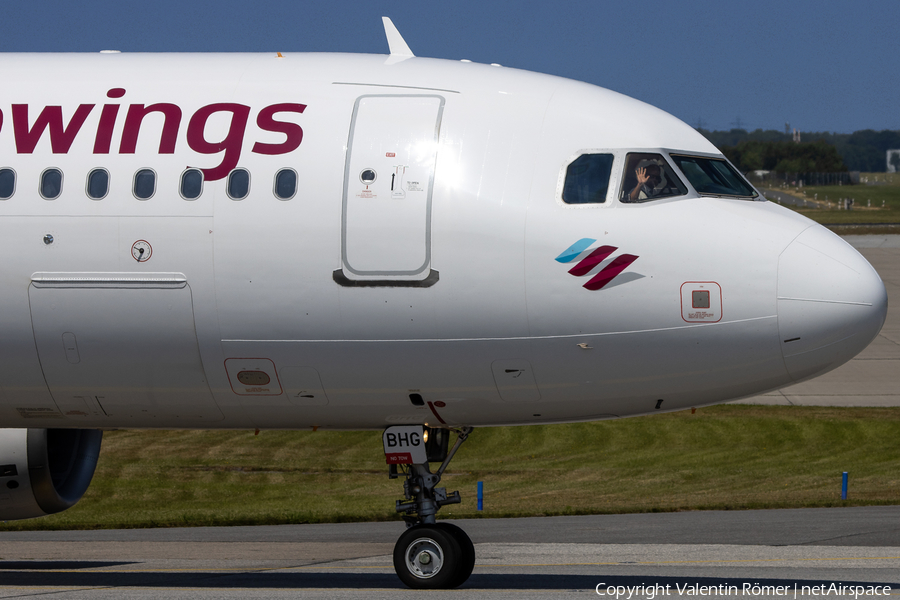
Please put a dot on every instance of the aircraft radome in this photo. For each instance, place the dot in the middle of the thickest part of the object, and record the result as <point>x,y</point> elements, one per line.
<point>367,242</point>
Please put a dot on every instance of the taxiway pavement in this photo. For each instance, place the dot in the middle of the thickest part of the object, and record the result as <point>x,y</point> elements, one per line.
<point>735,552</point>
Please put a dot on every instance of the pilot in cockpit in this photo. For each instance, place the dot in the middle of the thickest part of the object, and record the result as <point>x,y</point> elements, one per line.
<point>651,181</point>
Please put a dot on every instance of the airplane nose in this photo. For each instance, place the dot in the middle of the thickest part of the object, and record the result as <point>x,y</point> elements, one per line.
<point>831,303</point>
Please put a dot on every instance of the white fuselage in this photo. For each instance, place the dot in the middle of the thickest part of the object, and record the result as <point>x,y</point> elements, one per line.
<point>416,257</point>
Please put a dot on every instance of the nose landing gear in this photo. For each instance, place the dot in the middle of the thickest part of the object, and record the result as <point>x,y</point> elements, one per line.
<point>429,555</point>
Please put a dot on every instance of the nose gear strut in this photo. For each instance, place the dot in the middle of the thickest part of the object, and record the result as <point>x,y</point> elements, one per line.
<point>423,499</point>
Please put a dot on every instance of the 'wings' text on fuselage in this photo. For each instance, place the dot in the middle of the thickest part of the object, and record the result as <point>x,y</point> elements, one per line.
<point>62,134</point>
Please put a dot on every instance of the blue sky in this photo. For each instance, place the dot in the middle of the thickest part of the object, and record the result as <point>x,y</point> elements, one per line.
<point>821,66</point>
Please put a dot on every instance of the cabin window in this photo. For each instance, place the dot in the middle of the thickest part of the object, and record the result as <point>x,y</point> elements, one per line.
<point>144,184</point>
<point>238,184</point>
<point>285,184</point>
<point>7,183</point>
<point>51,184</point>
<point>98,184</point>
<point>713,177</point>
<point>587,179</point>
<point>649,177</point>
<point>191,184</point>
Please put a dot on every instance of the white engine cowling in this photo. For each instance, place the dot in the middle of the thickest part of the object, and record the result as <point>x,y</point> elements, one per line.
<point>45,471</point>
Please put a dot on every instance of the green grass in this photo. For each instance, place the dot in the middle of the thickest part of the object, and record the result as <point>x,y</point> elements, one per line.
<point>724,457</point>
<point>883,195</point>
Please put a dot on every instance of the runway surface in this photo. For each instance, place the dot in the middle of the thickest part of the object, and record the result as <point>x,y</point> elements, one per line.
<point>736,554</point>
<point>873,377</point>
<point>723,549</point>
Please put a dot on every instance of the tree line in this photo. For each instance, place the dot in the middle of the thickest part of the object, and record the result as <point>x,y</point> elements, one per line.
<point>824,152</point>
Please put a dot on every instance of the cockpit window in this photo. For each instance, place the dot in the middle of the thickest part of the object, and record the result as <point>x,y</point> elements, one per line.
<point>587,179</point>
<point>713,177</point>
<point>649,177</point>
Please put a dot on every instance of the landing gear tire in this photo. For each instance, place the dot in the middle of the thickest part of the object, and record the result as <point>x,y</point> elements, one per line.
<point>467,552</point>
<point>429,557</point>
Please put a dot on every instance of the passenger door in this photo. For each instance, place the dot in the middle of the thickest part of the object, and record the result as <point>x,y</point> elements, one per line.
<point>388,183</point>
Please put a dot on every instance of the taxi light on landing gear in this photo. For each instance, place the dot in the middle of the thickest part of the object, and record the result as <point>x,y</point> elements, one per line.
<point>436,443</point>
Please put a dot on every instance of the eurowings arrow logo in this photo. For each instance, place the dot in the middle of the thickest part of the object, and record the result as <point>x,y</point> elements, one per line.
<point>590,260</point>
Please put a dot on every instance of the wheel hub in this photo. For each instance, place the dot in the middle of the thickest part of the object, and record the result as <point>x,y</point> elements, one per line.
<point>424,558</point>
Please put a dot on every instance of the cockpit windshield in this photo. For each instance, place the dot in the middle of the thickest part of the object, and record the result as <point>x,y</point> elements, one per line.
<point>649,177</point>
<point>587,179</point>
<point>713,177</point>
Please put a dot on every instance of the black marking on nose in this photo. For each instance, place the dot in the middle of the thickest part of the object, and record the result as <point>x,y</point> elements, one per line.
<point>791,340</point>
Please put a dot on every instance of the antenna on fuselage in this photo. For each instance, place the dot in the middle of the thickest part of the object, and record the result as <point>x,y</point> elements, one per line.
<point>395,41</point>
